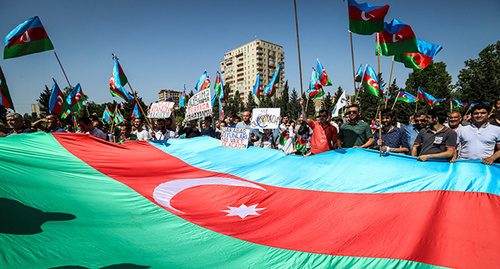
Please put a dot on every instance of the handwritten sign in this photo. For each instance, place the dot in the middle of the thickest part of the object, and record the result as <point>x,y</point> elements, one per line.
<point>160,110</point>
<point>199,106</point>
<point>265,118</point>
<point>234,138</point>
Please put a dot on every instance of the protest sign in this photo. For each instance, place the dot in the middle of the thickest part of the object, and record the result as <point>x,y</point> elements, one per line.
<point>265,118</point>
<point>199,106</point>
<point>160,110</point>
<point>234,138</point>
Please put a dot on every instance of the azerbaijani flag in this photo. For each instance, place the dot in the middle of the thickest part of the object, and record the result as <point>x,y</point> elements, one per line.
<point>74,101</point>
<point>370,82</point>
<point>203,82</point>
<point>397,38</point>
<point>256,87</point>
<point>75,124</point>
<point>27,38</point>
<point>5,99</point>
<point>406,97</point>
<point>315,88</point>
<point>221,111</point>
<point>359,74</point>
<point>135,112</point>
<point>118,81</point>
<point>456,104</point>
<point>219,88</point>
<point>271,87</point>
<point>429,99</point>
<point>117,115</point>
<point>365,19</point>
<point>196,204</point>
<point>107,115</point>
<point>472,105</point>
<point>420,60</point>
<point>323,77</point>
<point>183,96</point>
<point>386,98</point>
<point>360,89</point>
<point>56,102</point>
<point>170,99</point>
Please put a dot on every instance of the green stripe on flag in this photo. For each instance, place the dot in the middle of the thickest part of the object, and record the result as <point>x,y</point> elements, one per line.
<point>27,48</point>
<point>110,224</point>
<point>366,27</point>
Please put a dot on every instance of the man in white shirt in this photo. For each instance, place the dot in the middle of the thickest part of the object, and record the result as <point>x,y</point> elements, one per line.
<point>480,139</point>
<point>141,132</point>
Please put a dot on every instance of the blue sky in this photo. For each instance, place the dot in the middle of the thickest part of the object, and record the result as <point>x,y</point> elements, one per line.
<point>165,44</point>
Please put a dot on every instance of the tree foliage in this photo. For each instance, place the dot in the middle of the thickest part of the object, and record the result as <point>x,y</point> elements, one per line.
<point>479,81</point>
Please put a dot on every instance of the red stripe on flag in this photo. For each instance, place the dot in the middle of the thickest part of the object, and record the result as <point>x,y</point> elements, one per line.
<point>445,228</point>
<point>32,35</point>
<point>374,15</point>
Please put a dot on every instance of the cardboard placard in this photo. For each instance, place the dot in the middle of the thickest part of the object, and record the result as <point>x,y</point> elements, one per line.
<point>234,138</point>
<point>160,110</point>
<point>265,118</point>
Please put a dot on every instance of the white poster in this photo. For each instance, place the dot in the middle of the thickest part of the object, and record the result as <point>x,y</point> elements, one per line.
<point>265,118</point>
<point>160,110</point>
<point>199,106</point>
<point>234,138</point>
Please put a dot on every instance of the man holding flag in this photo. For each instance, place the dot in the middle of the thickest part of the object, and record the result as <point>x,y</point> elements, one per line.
<point>324,136</point>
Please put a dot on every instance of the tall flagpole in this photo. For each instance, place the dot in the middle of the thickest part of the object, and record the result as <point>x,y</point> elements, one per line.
<point>64,72</point>
<point>389,85</point>
<point>379,100</point>
<point>298,47</point>
<point>353,70</point>
<point>395,101</point>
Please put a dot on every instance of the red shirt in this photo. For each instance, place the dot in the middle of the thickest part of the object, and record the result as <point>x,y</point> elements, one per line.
<point>323,136</point>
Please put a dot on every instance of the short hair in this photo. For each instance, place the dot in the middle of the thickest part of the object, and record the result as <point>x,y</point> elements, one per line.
<point>231,115</point>
<point>323,111</point>
<point>127,127</point>
<point>285,116</point>
<point>99,123</point>
<point>237,118</point>
<point>94,118</point>
<point>303,129</point>
<point>496,102</point>
<point>354,105</point>
<point>55,116</point>
<point>420,113</point>
<point>160,120</point>
<point>480,106</point>
<point>17,116</point>
<point>388,112</point>
<point>438,113</point>
<point>85,120</point>
<point>208,118</point>
<point>128,118</point>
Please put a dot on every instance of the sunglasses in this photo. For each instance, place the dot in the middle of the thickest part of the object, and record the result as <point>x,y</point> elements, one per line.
<point>352,112</point>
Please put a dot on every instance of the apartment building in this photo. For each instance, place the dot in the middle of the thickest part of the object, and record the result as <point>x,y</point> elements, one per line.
<point>241,65</point>
<point>165,94</point>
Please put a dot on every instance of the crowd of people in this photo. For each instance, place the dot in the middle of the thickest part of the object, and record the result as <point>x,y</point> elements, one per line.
<point>428,134</point>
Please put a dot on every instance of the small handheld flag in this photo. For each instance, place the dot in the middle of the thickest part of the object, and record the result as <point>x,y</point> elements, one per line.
<point>107,115</point>
<point>75,124</point>
<point>219,88</point>
<point>429,99</point>
<point>5,99</point>
<point>256,87</point>
<point>118,80</point>
<point>118,116</point>
<point>271,87</point>
<point>456,104</point>
<point>370,82</point>
<point>183,96</point>
<point>27,38</point>
<point>406,97</point>
<point>135,113</point>
<point>203,82</point>
<point>315,88</point>
<point>56,100</point>
<point>359,74</point>
<point>323,77</point>
<point>74,101</point>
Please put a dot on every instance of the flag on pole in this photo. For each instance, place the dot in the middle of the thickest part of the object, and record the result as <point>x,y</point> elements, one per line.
<point>75,125</point>
<point>315,88</point>
<point>56,100</point>
<point>386,98</point>
<point>397,38</point>
<point>27,38</point>
<point>117,82</point>
<point>203,82</point>
<point>117,115</point>
<point>74,101</point>
<point>456,104</point>
<point>420,60</point>
<point>365,19</point>
<point>359,74</point>
<point>135,112</point>
<point>221,111</point>
<point>170,99</point>
<point>360,90</point>
<point>256,87</point>
<point>5,99</point>
<point>370,82</point>
<point>323,77</point>
<point>429,99</point>
<point>107,115</point>
<point>219,88</point>
<point>472,105</point>
<point>406,97</point>
<point>183,96</point>
<point>271,87</point>
<point>342,102</point>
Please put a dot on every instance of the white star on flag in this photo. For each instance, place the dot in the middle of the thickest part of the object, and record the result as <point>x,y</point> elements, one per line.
<point>243,210</point>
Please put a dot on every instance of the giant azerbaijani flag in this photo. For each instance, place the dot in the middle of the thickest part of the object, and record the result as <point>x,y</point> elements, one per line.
<point>72,200</point>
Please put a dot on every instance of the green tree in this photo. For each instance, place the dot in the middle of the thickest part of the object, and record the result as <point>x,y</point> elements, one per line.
<point>294,105</point>
<point>283,100</point>
<point>327,103</point>
<point>310,109</point>
<point>44,100</point>
<point>369,103</point>
<point>251,104</point>
<point>479,81</point>
<point>434,80</point>
<point>337,95</point>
